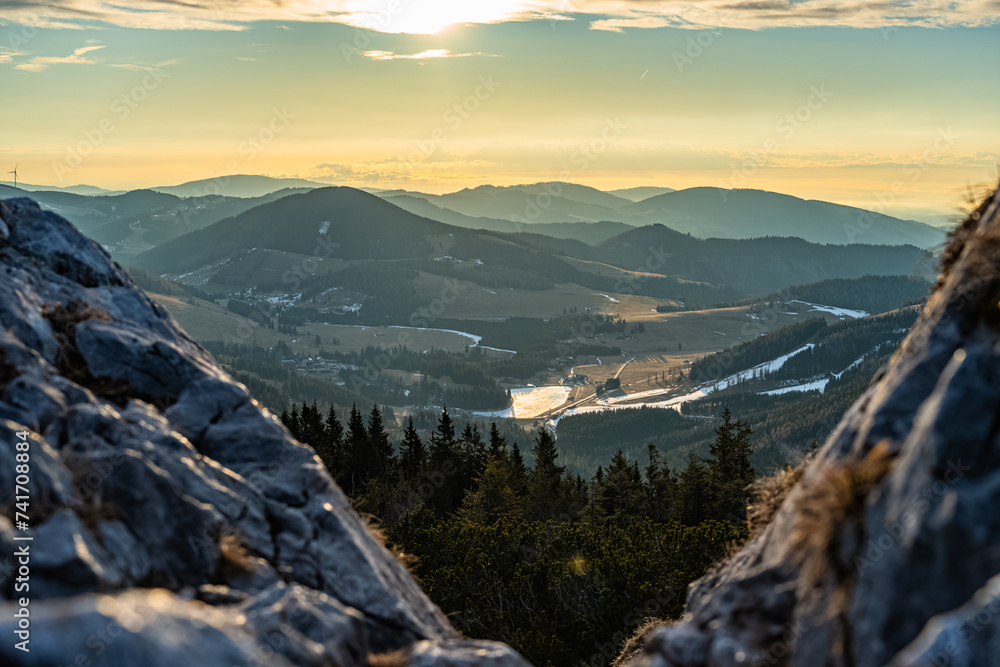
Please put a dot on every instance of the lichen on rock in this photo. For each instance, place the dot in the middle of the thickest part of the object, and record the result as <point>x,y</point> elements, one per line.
<point>175,522</point>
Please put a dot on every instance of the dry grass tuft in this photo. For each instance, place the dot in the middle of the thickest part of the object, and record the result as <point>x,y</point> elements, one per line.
<point>64,321</point>
<point>831,507</point>
<point>634,645</point>
<point>770,492</point>
<point>398,658</point>
<point>409,561</point>
<point>234,558</point>
<point>959,237</point>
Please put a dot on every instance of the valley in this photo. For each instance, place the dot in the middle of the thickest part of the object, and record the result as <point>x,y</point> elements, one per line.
<point>499,334</point>
<point>596,307</point>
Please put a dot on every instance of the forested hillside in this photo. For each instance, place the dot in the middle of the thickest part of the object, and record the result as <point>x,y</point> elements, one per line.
<point>534,555</point>
<point>870,294</point>
<point>791,386</point>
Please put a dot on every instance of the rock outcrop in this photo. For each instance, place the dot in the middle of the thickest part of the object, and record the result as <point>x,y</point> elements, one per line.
<point>173,520</point>
<point>887,552</point>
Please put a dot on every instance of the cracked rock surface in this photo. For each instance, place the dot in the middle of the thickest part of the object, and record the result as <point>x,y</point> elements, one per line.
<point>902,569</point>
<point>175,522</point>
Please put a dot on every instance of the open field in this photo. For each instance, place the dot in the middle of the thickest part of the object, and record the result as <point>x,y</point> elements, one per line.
<point>600,268</point>
<point>475,302</point>
<point>705,331</point>
<point>354,338</point>
<point>205,321</point>
<point>532,402</point>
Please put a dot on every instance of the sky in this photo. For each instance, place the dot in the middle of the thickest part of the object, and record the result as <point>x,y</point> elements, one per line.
<point>885,105</point>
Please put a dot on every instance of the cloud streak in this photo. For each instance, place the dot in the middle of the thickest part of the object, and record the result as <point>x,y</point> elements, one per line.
<point>423,55</point>
<point>78,57</point>
<point>429,16</point>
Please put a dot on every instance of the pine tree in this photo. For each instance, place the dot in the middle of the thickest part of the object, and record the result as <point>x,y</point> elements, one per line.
<point>293,423</point>
<point>518,471</point>
<point>498,444</point>
<point>412,452</point>
<point>444,465</point>
<point>443,440</point>
<point>335,440</point>
<point>721,449</point>
<point>311,426</point>
<point>661,487</point>
<point>493,496</point>
<point>382,460</point>
<point>621,494</point>
<point>694,493</point>
<point>545,498</point>
<point>357,452</point>
<point>730,469</point>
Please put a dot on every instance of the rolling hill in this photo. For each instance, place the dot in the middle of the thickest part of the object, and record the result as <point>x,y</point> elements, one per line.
<point>760,265</point>
<point>72,189</point>
<point>386,260</point>
<point>132,222</point>
<point>237,185</point>
<point>742,214</point>
<point>641,192</point>
<point>529,204</point>
<point>703,212</point>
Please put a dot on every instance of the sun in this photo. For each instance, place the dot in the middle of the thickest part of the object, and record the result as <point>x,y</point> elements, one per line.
<point>428,17</point>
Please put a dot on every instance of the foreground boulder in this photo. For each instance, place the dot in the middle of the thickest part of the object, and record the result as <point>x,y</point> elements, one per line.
<point>171,520</point>
<point>887,552</point>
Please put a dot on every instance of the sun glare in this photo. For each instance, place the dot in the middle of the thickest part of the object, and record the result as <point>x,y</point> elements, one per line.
<point>428,17</point>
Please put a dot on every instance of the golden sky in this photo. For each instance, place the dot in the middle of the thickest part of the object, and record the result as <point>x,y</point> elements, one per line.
<point>854,102</point>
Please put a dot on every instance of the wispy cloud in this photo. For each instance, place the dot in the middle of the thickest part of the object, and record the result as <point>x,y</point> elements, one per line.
<point>430,16</point>
<point>7,55</point>
<point>423,55</point>
<point>78,57</point>
<point>142,67</point>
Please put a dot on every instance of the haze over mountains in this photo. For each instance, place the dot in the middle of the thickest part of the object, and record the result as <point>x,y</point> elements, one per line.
<point>237,185</point>
<point>131,223</point>
<point>714,212</point>
<point>337,225</point>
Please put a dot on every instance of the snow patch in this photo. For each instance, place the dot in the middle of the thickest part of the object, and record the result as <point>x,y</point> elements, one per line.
<point>819,385</point>
<point>833,310</point>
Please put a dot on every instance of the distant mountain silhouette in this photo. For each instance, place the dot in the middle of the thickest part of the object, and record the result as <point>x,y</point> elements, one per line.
<point>352,225</point>
<point>73,189</point>
<point>641,192</point>
<point>237,185</point>
<point>588,232</point>
<point>531,205</point>
<point>575,192</point>
<point>742,214</point>
<point>361,226</point>
<point>759,265</point>
<point>137,220</point>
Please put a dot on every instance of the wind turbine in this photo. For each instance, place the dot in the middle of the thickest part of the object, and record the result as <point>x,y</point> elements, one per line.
<point>15,173</point>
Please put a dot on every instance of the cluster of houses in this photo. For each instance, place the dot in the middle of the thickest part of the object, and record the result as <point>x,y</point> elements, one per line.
<point>316,365</point>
